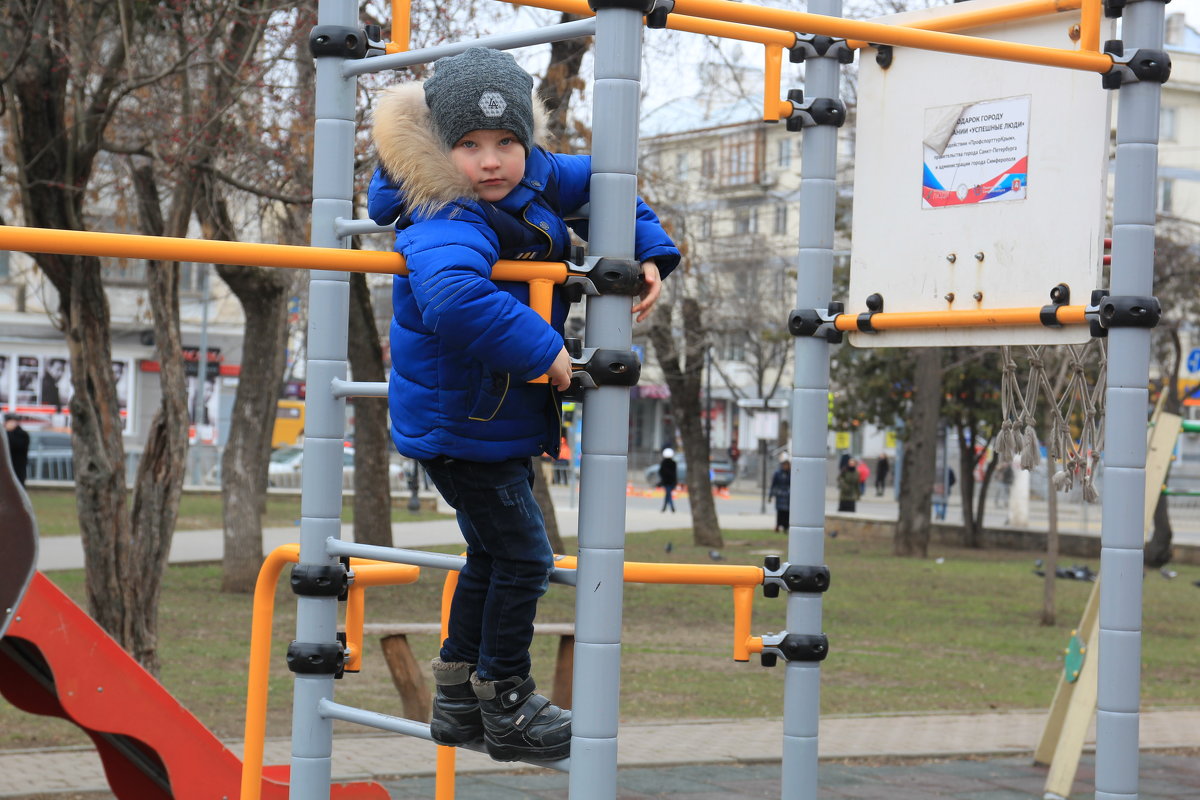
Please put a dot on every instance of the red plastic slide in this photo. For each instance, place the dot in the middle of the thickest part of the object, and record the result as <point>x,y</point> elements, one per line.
<point>56,660</point>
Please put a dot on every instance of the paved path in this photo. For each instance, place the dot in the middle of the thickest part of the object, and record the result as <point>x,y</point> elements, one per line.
<point>692,760</point>
<point>728,743</point>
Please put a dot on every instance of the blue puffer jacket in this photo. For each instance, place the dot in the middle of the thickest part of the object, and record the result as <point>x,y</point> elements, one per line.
<point>464,348</point>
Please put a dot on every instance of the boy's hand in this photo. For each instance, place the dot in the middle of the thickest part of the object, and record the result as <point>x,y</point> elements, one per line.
<point>651,287</point>
<point>560,371</point>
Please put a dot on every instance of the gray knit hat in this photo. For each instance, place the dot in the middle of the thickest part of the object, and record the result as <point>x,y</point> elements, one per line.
<point>480,89</point>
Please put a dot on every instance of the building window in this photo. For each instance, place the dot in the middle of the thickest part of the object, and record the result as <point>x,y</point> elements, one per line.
<point>708,164</point>
<point>5,269</point>
<point>706,226</point>
<point>781,220</point>
<point>745,221</point>
<point>741,157</point>
<point>1166,195</point>
<point>1166,125</point>
<point>681,166</point>
<point>785,152</point>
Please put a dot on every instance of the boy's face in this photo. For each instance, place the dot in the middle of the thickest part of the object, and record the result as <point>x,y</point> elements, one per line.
<point>494,161</point>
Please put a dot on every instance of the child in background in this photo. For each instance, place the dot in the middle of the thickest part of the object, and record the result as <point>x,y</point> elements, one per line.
<point>465,183</point>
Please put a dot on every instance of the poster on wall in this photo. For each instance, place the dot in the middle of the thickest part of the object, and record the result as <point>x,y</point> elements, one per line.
<point>207,407</point>
<point>39,389</point>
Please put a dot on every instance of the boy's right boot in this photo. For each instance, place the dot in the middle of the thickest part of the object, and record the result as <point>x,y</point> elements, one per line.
<point>456,719</point>
<point>520,724</point>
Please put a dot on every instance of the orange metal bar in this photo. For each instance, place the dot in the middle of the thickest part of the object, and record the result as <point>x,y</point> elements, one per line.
<point>743,604</point>
<point>443,781</point>
<point>754,644</point>
<point>356,609</point>
<point>401,32</point>
<point>1089,25</point>
<point>966,318</point>
<point>983,17</point>
<point>772,77</point>
<point>251,254</point>
<point>259,668</point>
<point>367,573</point>
<point>881,33</point>
<point>692,574</point>
<point>680,22</point>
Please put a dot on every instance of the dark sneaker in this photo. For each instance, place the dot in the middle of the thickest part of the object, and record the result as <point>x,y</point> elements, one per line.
<point>519,724</point>
<point>456,717</point>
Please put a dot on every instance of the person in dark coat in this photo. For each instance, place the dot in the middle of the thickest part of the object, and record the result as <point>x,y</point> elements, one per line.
<point>668,477</point>
<point>882,468</point>
<point>781,492</point>
<point>848,485</point>
<point>18,446</point>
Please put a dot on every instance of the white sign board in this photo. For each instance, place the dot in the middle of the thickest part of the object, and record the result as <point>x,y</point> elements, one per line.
<point>978,184</point>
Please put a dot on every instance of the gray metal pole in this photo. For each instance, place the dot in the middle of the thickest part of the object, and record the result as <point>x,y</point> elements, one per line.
<point>500,41</point>
<point>810,393</point>
<point>1121,530</point>
<point>606,419</point>
<point>328,326</point>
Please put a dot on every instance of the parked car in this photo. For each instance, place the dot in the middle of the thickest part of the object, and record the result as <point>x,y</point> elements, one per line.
<point>287,464</point>
<point>720,471</point>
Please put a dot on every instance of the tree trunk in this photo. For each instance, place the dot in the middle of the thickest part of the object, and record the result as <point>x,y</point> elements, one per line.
<point>966,487</point>
<point>372,441</point>
<point>560,82</point>
<point>920,457</point>
<point>159,483</point>
<point>988,475</point>
<point>684,381</point>
<point>541,493</point>
<point>263,293</point>
<point>1051,563</point>
<point>54,155</point>
<point>1158,551</point>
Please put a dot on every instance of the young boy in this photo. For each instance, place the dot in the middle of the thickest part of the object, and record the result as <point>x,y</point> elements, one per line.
<point>464,183</point>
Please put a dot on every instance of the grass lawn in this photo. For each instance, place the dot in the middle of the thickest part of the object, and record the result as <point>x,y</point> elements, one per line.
<point>905,636</point>
<point>57,515</point>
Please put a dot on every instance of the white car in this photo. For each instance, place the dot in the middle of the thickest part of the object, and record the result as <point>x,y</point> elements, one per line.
<point>287,464</point>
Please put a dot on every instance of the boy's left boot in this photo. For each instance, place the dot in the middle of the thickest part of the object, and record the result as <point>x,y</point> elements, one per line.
<point>520,724</point>
<point>456,716</point>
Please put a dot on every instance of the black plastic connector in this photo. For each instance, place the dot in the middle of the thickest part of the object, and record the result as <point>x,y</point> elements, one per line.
<point>1113,9</point>
<point>808,647</point>
<point>883,55</point>
<point>814,112</point>
<point>1060,295</point>
<point>337,41</point>
<point>810,45</point>
<point>1144,64</point>
<point>620,276</point>
<point>1098,331</point>
<point>320,580</point>
<point>602,368</point>
<point>805,578</point>
<point>644,6</point>
<point>341,636</point>
<point>874,306</point>
<point>316,658</point>
<point>657,19</point>
<point>810,321</point>
<point>1129,311</point>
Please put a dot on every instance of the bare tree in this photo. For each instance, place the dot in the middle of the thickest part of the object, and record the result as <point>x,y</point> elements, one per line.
<point>683,370</point>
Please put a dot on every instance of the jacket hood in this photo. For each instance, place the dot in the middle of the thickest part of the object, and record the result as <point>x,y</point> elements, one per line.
<point>413,155</point>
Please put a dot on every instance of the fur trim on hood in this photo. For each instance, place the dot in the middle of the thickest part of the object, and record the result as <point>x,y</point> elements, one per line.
<point>414,157</point>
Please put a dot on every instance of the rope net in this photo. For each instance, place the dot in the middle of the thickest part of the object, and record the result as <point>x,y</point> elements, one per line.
<point>1074,403</point>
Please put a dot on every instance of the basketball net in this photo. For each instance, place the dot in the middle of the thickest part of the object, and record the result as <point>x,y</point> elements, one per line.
<point>1074,407</point>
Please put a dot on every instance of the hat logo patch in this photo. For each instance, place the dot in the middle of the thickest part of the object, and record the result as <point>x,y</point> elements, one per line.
<point>492,104</point>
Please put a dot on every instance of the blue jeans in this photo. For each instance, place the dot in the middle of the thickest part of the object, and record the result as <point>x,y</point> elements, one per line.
<point>508,567</point>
